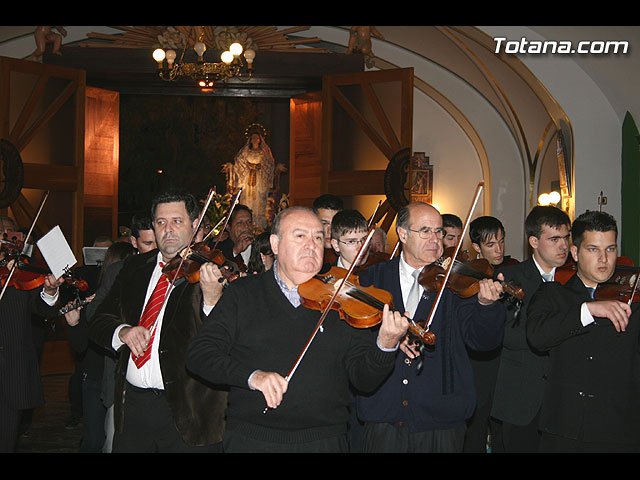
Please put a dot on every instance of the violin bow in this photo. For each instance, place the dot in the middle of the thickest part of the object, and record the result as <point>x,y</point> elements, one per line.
<point>635,289</point>
<point>33,224</point>
<point>327,308</point>
<point>373,215</point>
<point>233,203</point>
<point>395,249</point>
<point>432,314</point>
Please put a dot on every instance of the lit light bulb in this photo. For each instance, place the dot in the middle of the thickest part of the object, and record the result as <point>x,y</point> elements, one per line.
<point>200,48</point>
<point>171,56</point>
<point>544,199</point>
<point>235,49</point>
<point>555,197</point>
<point>227,57</point>
<point>158,55</point>
<point>250,55</point>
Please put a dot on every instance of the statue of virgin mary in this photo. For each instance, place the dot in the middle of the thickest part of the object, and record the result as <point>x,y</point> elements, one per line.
<point>254,171</point>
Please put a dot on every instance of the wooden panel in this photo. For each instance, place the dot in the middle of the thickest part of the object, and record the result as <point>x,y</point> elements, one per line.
<point>365,122</point>
<point>42,114</point>
<point>102,119</point>
<point>305,149</point>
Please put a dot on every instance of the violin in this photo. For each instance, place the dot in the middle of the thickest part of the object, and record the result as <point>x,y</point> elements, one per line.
<point>360,307</point>
<point>622,286</point>
<point>24,276</point>
<point>565,272</point>
<point>188,262</point>
<point>465,276</point>
<point>372,259</point>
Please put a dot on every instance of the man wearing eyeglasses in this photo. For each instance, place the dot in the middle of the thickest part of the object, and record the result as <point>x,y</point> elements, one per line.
<point>349,230</point>
<point>423,405</point>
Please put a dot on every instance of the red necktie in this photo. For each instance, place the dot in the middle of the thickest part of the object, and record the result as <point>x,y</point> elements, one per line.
<point>151,311</point>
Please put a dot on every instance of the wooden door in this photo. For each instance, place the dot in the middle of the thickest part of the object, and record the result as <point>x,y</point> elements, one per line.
<point>305,138</point>
<point>102,148</point>
<point>355,139</point>
<point>42,116</point>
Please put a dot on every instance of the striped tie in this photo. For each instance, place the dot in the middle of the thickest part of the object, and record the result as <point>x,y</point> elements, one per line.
<point>151,311</point>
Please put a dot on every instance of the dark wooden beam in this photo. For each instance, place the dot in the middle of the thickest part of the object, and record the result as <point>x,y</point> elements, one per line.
<point>277,74</point>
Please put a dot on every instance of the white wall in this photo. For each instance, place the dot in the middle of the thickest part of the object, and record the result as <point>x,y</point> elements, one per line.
<point>596,127</point>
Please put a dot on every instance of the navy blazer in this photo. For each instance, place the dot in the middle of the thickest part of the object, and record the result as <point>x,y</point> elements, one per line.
<point>442,395</point>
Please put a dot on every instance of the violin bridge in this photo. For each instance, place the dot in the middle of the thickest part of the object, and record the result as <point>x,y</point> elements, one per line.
<point>443,262</point>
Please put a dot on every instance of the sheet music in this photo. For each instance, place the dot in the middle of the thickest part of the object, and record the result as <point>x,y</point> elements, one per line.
<point>56,252</point>
<point>94,255</point>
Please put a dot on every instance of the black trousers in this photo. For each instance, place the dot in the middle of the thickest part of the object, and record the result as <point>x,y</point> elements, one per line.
<point>557,444</point>
<point>509,438</point>
<point>9,427</point>
<point>387,438</point>
<point>149,426</point>
<point>235,442</point>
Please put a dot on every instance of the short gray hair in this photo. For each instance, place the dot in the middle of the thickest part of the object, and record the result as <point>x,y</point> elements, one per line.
<point>277,223</point>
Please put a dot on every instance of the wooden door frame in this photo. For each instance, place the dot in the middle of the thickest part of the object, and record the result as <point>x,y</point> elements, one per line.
<point>46,176</point>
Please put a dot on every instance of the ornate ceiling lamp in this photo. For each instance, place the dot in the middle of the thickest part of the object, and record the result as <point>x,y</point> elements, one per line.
<point>239,45</point>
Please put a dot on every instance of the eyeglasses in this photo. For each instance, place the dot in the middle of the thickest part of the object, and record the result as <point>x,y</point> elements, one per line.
<point>353,242</point>
<point>426,232</point>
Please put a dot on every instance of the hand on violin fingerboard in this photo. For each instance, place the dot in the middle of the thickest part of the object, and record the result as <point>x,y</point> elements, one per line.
<point>52,283</point>
<point>490,290</point>
<point>211,284</point>
<point>393,328</point>
<point>616,311</point>
<point>72,317</point>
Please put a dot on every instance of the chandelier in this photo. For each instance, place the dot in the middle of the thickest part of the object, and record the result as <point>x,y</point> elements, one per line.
<point>204,73</point>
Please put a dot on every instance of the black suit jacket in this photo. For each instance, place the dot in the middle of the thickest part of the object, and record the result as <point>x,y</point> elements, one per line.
<point>521,375</point>
<point>20,383</point>
<point>593,391</point>
<point>197,408</point>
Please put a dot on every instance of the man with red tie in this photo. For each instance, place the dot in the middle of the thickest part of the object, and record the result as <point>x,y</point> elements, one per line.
<point>149,322</point>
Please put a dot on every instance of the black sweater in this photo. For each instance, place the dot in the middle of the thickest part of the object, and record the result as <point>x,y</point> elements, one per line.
<point>253,327</point>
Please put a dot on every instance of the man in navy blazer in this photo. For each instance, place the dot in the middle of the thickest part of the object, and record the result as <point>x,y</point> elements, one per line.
<point>423,405</point>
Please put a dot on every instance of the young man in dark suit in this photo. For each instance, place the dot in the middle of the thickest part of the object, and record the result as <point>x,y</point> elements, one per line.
<point>591,396</point>
<point>158,406</point>
<point>487,235</point>
<point>522,371</point>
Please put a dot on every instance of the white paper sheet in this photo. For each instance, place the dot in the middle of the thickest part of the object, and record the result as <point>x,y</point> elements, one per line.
<point>56,252</point>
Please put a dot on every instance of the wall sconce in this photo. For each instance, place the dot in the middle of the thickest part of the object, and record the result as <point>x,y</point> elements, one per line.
<point>552,198</point>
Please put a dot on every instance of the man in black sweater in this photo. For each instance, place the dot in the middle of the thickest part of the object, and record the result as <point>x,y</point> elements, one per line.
<point>253,346</point>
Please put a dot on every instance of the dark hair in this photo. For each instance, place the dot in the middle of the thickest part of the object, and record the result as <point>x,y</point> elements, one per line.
<point>171,196</point>
<point>328,201</point>
<point>451,220</point>
<point>236,209</point>
<point>261,245</point>
<point>544,215</point>
<point>483,228</point>
<point>140,222</point>
<point>117,251</point>
<point>592,221</point>
<point>347,221</point>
